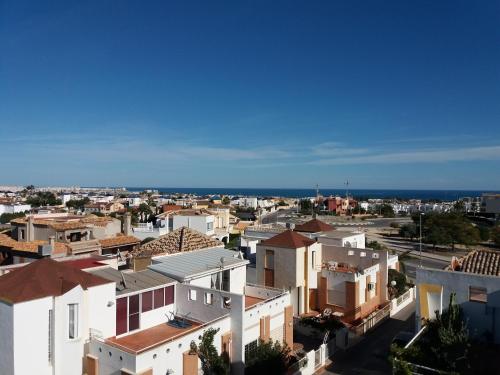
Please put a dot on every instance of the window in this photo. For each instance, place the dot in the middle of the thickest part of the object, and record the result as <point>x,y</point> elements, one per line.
<point>210,226</point>
<point>371,286</point>
<point>21,234</point>
<point>226,277</point>
<point>73,320</point>
<point>208,298</point>
<point>133,312</point>
<point>226,302</point>
<point>169,295</point>
<point>159,298</point>
<point>350,252</point>
<point>147,301</point>
<point>269,261</point>
<point>121,315</point>
<point>313,259</point>
<point>250,349</point>
<point>478,294</point>
<point>362,254</point>
<point>50,337</point>
<point>192,295</point>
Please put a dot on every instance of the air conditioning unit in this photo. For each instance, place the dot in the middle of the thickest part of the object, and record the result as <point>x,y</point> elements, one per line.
<point>333,265</point>
<point>375,256</point>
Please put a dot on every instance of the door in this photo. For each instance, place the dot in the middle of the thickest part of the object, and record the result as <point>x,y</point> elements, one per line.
<point>269,277</point>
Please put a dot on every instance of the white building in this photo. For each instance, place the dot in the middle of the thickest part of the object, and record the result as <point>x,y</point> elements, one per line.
<point>14,208</point>
<point>211,293</point>
<point>47,311</point>
<point>475,281</point>
<point>199,220</point>
<point>248,202</point>
<point>103,321</point>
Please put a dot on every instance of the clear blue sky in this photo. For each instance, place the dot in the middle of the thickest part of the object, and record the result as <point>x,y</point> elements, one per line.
<point>387,94</point>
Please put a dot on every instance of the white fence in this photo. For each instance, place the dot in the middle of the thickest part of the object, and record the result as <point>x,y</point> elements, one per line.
<point>397,304</point>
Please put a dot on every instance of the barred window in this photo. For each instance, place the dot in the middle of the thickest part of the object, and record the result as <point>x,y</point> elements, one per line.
<point>250,349</point>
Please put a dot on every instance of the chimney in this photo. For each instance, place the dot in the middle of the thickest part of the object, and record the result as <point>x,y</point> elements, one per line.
<point>52,241</point>
<point>127,224</point>
<point>30,229</point>
<point>181,239</point>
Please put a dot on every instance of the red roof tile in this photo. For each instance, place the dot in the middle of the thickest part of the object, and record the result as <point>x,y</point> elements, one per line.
<point>314,226</point>
<point>288,239</point>
<point>43,278</point>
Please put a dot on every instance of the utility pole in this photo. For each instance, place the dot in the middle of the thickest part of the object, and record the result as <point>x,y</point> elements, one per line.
<point>420,217</point>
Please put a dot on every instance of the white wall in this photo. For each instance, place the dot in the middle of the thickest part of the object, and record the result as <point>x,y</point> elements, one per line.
<point>100,316</point>
<point>481,317</point>
<point>238,276</point>
<point>7,338</point>
<point>31,328</point>
<point>156,316</point>
<point>69,352</point>
<point>196,222</point>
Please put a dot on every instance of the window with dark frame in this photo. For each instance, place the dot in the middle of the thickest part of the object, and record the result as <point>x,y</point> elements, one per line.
<point>133,312</point>
<point>159,298</point>
<point>169,295</point>
<point>478,294</point>
<point>147,301</point>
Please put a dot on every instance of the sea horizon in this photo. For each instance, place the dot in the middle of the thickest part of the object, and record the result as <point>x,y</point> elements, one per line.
<point>423,194</point>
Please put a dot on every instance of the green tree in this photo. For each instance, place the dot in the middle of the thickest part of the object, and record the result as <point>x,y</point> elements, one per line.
<point>459,206</point>
<point>400,279</point>
<point>495,235</point>
<point>375,245</point>
<point>226,200</point>
<point>211,362</point>
<point>449,228</point>
<point>484,232</point>
<point>45,198</point>
<point>449,336</point>
<point>387,211</point>
<point>268,358</point>
<point>78,204</point>
<point>408,231</point>
<point>7,217</point>
<point>306,206</point>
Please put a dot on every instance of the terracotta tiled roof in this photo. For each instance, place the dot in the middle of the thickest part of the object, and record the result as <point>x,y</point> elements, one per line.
<point>288,239</point>
<point>182,239</point>
<point>68,225</point>
<point>64,223</point>
<point>119,241</point>
<point>30,246</point>
<point>314,226</point>
<point>482,262</point>
<point>43,278</point>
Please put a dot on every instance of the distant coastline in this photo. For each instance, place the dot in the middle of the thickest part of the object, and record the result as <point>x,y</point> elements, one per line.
<point>443,195</point>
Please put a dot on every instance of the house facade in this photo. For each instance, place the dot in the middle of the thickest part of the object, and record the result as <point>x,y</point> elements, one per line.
<point>475,280</point>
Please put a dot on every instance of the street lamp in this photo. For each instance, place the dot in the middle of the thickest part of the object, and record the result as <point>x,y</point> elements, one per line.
<point>420,217</point>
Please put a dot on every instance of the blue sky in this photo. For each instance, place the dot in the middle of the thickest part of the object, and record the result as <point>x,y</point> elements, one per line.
<point>387,94</point>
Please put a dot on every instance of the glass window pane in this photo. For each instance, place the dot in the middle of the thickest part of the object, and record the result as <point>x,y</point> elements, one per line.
<point>169,295</point>
<point>133,304</point>
<point>72,320</point>
<point>147,301</point>
<point>159,298</point>
<point>133,322</point>
<point>121,316</point>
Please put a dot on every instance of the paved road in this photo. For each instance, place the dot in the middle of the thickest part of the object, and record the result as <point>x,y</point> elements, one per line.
<point>369,357</point>
<point>411,265</point>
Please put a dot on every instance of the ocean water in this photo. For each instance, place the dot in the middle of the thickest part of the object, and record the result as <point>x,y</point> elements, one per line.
<point>443,195</point>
